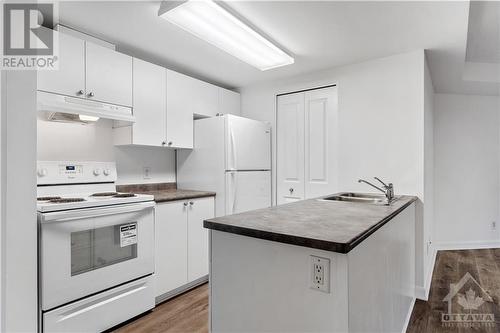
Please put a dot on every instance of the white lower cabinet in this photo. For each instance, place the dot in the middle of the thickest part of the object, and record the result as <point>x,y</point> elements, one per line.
<point>181,254</point>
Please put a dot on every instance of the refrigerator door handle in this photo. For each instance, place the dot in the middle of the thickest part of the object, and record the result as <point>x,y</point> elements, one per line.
<point>232,193</point>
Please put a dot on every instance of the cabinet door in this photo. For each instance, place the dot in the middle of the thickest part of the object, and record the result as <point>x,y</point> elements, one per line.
<point>179,111</point>
<point>290,148</point>
<point>150,104</point>
<point>199,210</point>
<point>187,97</point>
<point>109,75</point>
<point>229,102</point>
<point>321,140</point>
<point>170,246</point>
<point>69,78</point>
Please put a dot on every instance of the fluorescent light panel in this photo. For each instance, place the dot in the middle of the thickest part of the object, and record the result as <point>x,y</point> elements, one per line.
<point>212,23</point>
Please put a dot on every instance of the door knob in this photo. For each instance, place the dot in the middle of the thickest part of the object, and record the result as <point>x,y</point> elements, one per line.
<point>91,94</point>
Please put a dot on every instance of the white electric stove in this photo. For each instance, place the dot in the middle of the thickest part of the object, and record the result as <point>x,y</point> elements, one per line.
<point>96,248</point>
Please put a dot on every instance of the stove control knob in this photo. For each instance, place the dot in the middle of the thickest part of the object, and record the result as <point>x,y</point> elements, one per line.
<point>42,172</point>
<point>97,172</point>
<point>106,172</point>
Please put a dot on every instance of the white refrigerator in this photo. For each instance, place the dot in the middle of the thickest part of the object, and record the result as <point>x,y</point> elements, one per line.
<point>232,157</point>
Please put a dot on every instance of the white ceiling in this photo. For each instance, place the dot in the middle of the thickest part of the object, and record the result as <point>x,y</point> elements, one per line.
<point>319,35</point>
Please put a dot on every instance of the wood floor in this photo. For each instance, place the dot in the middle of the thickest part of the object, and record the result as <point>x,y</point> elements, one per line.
<point>187,313</point>
<point>450,267</point>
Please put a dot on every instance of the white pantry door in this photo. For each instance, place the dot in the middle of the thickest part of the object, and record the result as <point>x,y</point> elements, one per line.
<point>321,140</point>
<point>290,148</point>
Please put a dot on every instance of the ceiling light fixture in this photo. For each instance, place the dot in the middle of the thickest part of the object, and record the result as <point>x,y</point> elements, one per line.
<point>214,24</point>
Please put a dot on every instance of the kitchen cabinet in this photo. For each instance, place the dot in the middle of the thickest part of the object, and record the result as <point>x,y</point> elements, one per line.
<point>108,75</point>
<point>307,144</point>
<point>150,107</point>
<point>187,97</point>
<point>229,102</point>
<point>181,254</point>
<point>89,71</point>
<point>69,78</point>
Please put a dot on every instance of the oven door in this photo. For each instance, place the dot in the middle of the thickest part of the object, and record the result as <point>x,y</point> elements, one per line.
<point>85,251</point>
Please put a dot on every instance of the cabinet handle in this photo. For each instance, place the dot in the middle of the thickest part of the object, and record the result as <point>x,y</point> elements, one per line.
<point>185,204</point>
<point>163,143</point>
<point>191,203</point>
<point>170,143</point>
<point>291,190</point>
<point>80,92</point>
<point>91,94</point>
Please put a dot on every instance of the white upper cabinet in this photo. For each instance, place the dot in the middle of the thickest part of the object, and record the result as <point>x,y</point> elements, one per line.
<point>187,97</point>
<point>229,102</point>
<point>109,75</point>
<point>69,78</point>
<point>89,71</point>
<point>150,104</point>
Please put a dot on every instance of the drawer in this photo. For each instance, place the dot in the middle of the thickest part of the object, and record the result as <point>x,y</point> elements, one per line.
<point>104,310</point>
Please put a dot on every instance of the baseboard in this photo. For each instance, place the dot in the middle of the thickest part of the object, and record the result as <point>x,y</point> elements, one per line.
<point>488,244</point>
<point>423,292</point>
<point>180,290</point>
<point>408,316</point>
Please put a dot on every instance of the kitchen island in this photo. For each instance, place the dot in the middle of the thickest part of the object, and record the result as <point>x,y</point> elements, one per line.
<point>313,265</point>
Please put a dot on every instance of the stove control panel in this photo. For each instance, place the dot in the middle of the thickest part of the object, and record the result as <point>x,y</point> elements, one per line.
<point>67,172</point>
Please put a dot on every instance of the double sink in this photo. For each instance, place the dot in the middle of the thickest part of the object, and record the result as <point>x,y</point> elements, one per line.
<point>374,199</point>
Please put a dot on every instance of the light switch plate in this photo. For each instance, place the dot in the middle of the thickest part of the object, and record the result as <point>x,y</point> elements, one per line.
<point>146,172</point>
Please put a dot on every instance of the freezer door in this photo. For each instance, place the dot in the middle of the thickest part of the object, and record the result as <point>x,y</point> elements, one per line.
<point>247,190</point>
<point>248,144</point>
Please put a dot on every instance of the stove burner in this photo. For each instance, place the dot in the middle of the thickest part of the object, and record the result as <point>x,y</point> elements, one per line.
<point>124,195</point>
<point>104,194</point>
<point>65,200</point>
<point>47,198</point>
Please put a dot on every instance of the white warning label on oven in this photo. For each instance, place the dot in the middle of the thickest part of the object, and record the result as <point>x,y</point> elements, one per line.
<point>128,234</point>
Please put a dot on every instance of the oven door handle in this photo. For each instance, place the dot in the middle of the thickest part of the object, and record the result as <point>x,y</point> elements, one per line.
<point>78,214</point>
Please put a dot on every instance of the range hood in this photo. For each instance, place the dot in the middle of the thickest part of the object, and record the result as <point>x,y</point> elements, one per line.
<point>71,109</point>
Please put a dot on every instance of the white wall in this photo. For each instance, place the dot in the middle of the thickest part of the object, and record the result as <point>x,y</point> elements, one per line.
<point>466,169</point>
<point>381,124</point>
<point>19,306</point>
<point>94,142</point>
<point>425,234</point>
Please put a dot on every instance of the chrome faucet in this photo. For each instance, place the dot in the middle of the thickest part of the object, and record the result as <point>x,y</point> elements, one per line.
<point>388,189</point>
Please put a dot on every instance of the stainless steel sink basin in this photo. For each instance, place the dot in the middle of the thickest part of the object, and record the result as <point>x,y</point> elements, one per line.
<point>360,198</point>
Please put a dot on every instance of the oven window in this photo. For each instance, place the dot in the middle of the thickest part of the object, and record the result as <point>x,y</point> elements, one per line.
<point>101,247</point>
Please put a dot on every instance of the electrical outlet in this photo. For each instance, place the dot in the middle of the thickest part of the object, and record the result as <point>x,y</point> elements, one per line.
<point>320,274</point>
<point>146,172</point>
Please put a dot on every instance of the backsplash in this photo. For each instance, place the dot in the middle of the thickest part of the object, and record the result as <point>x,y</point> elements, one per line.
<point>94,142</point>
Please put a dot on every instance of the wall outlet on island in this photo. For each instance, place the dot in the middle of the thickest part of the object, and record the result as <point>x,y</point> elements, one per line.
<point>320,274</point>
<point>146,172</point>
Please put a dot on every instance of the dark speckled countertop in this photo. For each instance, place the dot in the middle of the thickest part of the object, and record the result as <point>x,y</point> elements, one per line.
<point>327,225</point>
<point>164,192</point>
